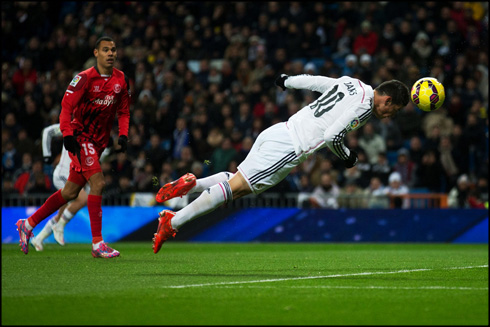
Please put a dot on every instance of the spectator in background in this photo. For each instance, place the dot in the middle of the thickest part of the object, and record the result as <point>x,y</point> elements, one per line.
<point>10,157</point>
<point>458,58</point>
<point>365,68</point>
<point>390,131</point>
<point>406,167</point>
<point>25,73</point>
<point>30,117</point>
<point>25,167</point>
<point>409,120</point>
<point>350,67</point>
<point>10,124</point>
<point>474,141</point>
<point>482,189</point>
<point>375,195</point>
<point>429,172</point>
<point>396,191</point>
<point>325,195</point>
<point>421,51</point>
<point>121,165</point>
<point>448,162</point>
<point>381,168</point>
<point>143,178</point>
<point>351,196</point>
<point>458,196</point>
<point>184,164</point>
<point>32,178</point>
<point>181,137</point>
<point>352,175</point>
<point>371,142</point>
<point>416,150</point>
<point>24,143</point>
<point>38,181</point>
<point>366,41</point>
<point>125,185</point>
<point>365,168</point>
<point>222,156</point>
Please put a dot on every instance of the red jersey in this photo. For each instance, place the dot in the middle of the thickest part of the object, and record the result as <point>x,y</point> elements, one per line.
<point>90,104</point>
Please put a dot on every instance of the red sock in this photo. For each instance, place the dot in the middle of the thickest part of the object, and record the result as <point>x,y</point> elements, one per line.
<point>53,203</point>
<point>94,205</point>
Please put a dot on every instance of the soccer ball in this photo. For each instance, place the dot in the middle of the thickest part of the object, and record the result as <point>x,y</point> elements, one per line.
<point>428,94</point>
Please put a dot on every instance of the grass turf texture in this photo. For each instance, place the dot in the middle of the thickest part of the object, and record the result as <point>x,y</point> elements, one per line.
<point>225,284</point>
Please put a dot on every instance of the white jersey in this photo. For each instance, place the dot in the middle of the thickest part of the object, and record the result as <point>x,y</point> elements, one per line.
<point>345,104</point>
<point>62,170</point>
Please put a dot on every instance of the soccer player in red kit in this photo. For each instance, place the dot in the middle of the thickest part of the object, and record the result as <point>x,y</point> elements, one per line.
<point>88,110</point>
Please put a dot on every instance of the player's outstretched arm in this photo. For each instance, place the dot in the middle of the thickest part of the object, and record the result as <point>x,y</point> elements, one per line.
<point>304,81</point>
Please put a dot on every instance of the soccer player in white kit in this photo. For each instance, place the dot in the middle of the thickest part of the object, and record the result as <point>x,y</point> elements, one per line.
<point>56,225</point>
<point>345,105</point>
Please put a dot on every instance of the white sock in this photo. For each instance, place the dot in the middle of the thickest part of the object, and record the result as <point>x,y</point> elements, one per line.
<point>46,231</point>
<point>65,217</point>
<point>209,200</point>
<point>96,245</point>
<point>206,182</point>
<point>29,227</point>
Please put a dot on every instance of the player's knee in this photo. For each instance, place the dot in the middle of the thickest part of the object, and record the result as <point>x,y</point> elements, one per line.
<point>98,186</point>
<point>68,194</point>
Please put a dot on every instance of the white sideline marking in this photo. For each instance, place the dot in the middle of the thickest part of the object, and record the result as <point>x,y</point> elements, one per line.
<point>314,277</point>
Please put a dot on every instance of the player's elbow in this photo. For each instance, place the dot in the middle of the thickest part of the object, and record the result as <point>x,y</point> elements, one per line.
<point>330,139</point>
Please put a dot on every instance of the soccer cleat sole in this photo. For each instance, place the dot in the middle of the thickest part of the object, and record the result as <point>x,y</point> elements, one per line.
<point>166,192</point>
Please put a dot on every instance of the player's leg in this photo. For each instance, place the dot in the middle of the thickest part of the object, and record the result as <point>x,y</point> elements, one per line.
<point>66,215</point>
<point>53,203</point>
<point>208,201</point>
<point>188,184</point>
<point>60,176</point>
<point>37,241</point>
<point>94,205</point>
<point>269,161</point>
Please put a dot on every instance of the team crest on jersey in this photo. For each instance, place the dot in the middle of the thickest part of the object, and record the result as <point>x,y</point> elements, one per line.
<point>89,161</point>
<point>75,80</point>
<point>353,124</point>
<point>117,88</point>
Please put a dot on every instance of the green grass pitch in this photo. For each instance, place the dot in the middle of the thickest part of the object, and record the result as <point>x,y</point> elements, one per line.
<point>247,284</point>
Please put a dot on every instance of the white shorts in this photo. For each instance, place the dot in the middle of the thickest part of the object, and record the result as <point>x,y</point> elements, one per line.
<point>60,176</point>
<point>270,160</point>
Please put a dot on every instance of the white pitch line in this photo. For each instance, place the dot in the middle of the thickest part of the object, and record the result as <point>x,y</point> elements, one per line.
<point>314,277</point>
<point>370,287</point>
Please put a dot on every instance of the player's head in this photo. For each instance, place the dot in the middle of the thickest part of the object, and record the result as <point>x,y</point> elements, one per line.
<point>105,51</point>
<point>389,97</point>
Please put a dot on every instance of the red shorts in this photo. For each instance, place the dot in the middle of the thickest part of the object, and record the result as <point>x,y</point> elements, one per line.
<point>81,171</point>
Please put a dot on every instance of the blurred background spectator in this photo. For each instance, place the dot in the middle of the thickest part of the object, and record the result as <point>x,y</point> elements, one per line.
<point>202,81</point>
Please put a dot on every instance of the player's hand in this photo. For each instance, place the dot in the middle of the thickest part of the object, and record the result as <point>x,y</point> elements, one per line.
<point>72,145</point>
<point>123,142</point>
<point>280,81</point>
<point>352,161</point>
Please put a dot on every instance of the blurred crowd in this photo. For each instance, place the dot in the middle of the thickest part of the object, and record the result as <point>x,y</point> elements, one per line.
<point>202,81</point>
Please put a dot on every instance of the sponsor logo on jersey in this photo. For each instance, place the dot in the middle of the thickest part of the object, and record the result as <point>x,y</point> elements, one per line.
<point>353,124</point>
<point>75,80</point>
<point>117,88</point>
<point>89,161</point>
<point>96,88</point>
<point>107,101</point>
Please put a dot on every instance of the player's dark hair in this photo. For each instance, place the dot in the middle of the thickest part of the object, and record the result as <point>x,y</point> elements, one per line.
<point>103,38</point>
<point>398,92</point>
